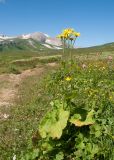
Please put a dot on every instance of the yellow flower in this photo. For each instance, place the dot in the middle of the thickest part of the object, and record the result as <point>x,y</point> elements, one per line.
<point>76,34</point>
<point>60,36</point>
<point>63,36</point>
<point>110,97</point>
<point>103,68</point>
<point>68,34</point>
<point>68,31</point>
<point>68,78</point>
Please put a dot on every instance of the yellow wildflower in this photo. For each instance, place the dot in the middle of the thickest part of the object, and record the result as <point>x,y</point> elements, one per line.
<point>110,97</point>
<point>68,78</point>
<point>65,35</point>
<point>76,34</point>
<point>60,36</point>
<point>68,31</point>
<point>103,68</point>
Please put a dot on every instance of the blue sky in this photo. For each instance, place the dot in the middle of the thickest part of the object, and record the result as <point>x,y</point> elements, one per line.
<point>94,19</point>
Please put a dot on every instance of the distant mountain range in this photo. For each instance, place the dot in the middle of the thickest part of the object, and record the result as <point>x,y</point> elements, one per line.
<point>32,42</point>
<point>40,42</point>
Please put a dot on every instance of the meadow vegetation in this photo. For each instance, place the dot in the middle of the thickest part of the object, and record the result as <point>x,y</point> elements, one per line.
<point>80,124</point>
<point>65,114</point>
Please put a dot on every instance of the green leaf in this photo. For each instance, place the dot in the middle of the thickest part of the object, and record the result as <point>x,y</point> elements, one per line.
<point>54,123</point>
<point>59,156</point>
<point>77,119</point>
<point>35,153</point>
<point>96,130</point>
<point>47,146</point>
<point>81,145</point>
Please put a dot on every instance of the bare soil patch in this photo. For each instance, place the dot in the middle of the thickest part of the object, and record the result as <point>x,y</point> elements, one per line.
<point>9,84</point>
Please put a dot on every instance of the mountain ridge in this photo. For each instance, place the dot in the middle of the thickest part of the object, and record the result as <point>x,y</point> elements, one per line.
<point>36,40</point>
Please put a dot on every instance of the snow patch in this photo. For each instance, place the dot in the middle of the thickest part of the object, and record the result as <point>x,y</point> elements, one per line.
<point>47,45</point>
<point>57,47</point>
<point>11,40</point>
<point>2,37</point>
<point>26,36</point>
<point>46,35</point>
<point>51,47</point>
<point>54,41</point>
<point>31,43</point>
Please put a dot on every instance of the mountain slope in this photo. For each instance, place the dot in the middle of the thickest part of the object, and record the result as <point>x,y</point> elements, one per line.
<point>108,47</point>
<point>29,42</point>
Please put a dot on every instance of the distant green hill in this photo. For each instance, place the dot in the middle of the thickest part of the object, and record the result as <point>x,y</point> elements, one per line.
<point>109,47</point>
<point>21,45</point>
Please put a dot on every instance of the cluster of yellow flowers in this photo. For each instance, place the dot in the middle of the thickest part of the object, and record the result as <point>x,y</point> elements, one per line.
<point>69,34</point>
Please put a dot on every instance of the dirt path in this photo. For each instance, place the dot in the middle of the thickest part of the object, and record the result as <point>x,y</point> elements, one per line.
<point>9,84</point>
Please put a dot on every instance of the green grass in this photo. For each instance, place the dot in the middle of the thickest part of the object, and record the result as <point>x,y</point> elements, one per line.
<point>16,132</point>
<point>19,45</point>
<point>17,62</point>
<point>86,101</point>
<point>8,56</point>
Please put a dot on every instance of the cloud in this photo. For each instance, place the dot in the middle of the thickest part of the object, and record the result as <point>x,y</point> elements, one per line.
<point>2,1</point>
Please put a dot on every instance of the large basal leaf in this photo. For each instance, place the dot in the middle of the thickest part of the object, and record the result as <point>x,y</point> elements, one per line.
<point>54,123</point>
<point>79,122</point>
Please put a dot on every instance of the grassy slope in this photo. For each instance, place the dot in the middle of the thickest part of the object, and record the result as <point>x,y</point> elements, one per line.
<point>21,45</point>
<point>25,60</point>
<point>7,56</point>
<point>16,132</point>
<point>11,52</point>
<point>105,50</point>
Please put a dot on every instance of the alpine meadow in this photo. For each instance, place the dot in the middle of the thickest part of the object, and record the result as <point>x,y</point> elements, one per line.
<point>57,90</point>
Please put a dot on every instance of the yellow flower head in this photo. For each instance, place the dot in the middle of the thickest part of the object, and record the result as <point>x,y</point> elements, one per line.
<point>76,34</point>
<point>65,35</point>
<point>68,34</point>
<point>110,97</point>
<point>68,78</point>
<point>61,36</point>
<point>68,31</point>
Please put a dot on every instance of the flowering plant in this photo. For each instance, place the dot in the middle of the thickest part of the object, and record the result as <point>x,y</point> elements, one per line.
<point>68,38</point>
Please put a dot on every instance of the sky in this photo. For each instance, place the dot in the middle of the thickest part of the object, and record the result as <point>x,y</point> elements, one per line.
<point>94,19</point>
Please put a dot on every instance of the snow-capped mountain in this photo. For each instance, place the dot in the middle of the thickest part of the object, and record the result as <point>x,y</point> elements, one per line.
<point>4,37</point>
<point>32,40</point>
<point>43,38</point>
